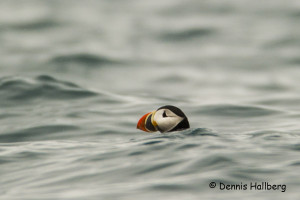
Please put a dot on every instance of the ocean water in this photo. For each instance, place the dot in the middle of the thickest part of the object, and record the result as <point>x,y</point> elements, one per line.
<point>76,76</point>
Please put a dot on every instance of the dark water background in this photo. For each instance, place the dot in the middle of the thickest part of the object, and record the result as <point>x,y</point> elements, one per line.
<point>77,75</point>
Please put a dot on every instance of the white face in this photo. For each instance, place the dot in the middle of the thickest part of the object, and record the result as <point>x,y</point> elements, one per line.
<point>166,120</point>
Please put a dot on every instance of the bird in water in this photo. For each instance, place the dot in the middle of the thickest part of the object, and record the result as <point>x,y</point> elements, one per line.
<point>165,119</point>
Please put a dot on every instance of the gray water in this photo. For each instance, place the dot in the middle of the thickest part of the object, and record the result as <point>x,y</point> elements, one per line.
<point>76,76</point>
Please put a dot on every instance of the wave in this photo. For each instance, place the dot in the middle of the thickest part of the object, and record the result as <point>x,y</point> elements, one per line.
<point>19,89</point>
<point>36,133</point>
<point>237,111</point>
<point>83,59</point>
<point>160,138</point>
<point>187,34</point>
<point>34,25</point>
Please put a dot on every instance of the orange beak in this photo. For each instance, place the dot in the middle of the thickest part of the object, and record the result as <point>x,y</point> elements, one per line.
<point>142,123</point>
<point>147,125</point>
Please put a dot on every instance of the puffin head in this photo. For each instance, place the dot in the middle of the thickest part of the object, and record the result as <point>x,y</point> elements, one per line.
<point>164,119</point>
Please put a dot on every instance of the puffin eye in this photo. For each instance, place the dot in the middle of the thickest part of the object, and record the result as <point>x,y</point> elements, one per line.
<point>164,114</point>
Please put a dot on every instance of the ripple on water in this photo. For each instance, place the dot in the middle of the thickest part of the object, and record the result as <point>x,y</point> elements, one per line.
<point>84,59</point>
<point>267,135</point>
<point>18,89</point>
<point>35,25</point>
<point>174,139</point>
<point>237,111</point>
<point>184,134</point>
<point>157,167</point>
<point>187,34</point>
<point>209,162</point>
<point>36,133</point>
<point>200,132</point>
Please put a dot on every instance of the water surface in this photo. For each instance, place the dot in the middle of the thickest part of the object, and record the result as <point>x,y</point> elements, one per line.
<point>76,77</point>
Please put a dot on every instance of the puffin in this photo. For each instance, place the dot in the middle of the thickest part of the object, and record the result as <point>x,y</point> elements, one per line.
<point>165,119</point>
